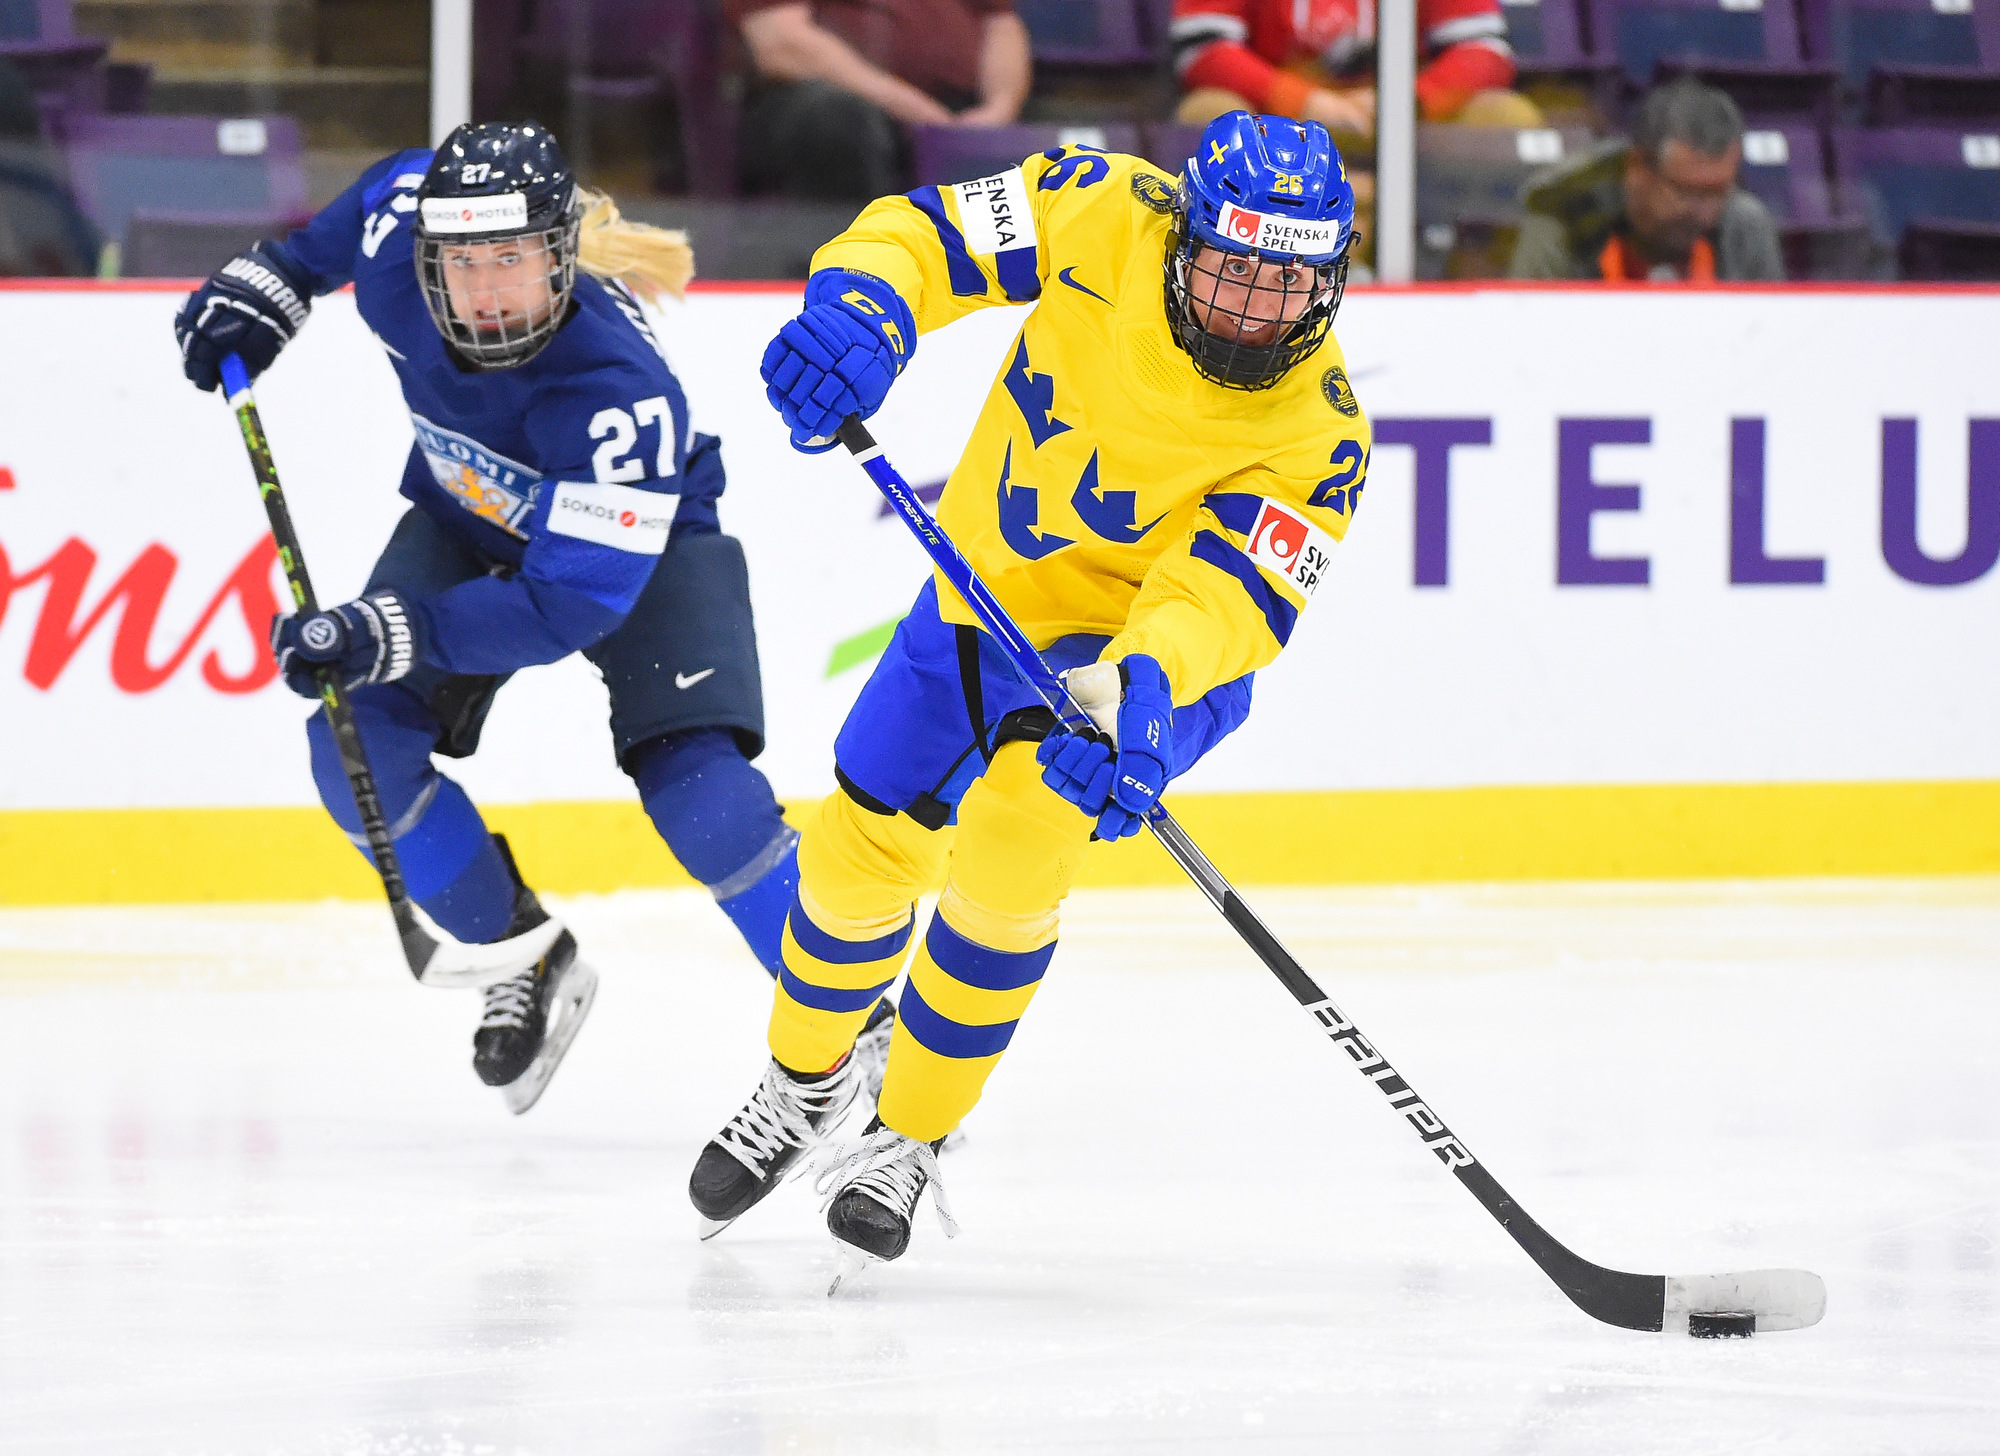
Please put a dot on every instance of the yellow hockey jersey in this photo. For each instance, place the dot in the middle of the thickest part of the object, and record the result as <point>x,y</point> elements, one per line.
<point>1108,488</point>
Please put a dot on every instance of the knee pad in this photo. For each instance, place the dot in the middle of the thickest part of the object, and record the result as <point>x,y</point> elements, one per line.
<point>447,857</point>
<point>1019,847</point>
<point>397,733</point>
<point>859,871</point>
<point>714,809</point>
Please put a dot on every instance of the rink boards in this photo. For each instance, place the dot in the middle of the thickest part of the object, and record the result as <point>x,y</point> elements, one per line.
<point>1643,584</point>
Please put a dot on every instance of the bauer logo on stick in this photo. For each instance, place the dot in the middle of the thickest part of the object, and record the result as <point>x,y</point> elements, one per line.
<point>1285,542</point>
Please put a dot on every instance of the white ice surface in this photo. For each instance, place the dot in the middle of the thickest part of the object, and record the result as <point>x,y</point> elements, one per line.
<point>252,1199</point>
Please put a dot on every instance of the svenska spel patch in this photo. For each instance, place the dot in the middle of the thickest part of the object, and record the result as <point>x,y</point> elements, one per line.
<point>451,216</point>
<point>1269,233</point>
<point>1286,544</point>
<point>620,516</point>
<point>994,214</point>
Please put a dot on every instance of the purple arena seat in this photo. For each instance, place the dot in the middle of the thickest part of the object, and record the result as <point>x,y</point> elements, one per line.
<point>172,243</point>
<point>186,170</point>
<point>1102,33</point>
<point>1748,48</point>
<point>1469,185</point>
<point>1912,60</point>
<point>1785,166</point>
<point>1943,175</point>
<point>942,155</point>
<point>1169,144</point>
<point>66,70</point>
<point>1639,34</point>
<point>1960,252</point>
<point>1547,35</point>
<point>635,51</point>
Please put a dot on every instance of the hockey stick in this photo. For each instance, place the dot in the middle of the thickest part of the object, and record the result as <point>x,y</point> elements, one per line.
<point>436,958</point>
<point>1763,1299</point>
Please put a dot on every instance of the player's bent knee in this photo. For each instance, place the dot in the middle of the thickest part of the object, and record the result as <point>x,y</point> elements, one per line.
<point>1019,847</point>
<point>398,742</point>
<point>864,868</point>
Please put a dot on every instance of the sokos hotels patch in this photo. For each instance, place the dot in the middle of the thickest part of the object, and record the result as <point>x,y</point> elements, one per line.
<point>492,487</point>
<point>1285,543</point>
<point>620,516</point>
<point>993,213</point>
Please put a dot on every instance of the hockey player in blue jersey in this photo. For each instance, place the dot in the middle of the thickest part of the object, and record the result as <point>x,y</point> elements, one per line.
<point>560,503</point>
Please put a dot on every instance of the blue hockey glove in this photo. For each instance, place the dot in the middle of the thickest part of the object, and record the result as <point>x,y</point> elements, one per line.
<point>252,306</point>
<point>1118,787</point>
<point>372,640</point>
<point>838,357</point>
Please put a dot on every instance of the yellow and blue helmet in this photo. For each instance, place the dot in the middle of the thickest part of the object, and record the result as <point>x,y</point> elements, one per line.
<point>1257,259</point>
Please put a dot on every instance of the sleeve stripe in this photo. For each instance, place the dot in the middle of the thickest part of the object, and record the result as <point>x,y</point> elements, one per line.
<point>1235,510</point>
<point>1019,275</point>
<point>1279,615</point>
<point>967,280</point>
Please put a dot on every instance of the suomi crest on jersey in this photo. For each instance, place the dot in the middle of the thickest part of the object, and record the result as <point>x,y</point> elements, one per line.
<point>495,489</point>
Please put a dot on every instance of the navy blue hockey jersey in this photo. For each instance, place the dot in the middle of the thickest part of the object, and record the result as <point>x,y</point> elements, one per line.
<point>572,468</point>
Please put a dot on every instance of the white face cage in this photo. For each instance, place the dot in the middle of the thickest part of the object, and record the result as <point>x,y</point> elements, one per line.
<point>511,318</point>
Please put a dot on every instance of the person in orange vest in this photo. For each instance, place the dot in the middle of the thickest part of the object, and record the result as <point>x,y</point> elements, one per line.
<point>1662,207</point>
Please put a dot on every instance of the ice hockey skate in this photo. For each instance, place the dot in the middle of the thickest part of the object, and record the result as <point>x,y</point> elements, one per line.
<point>872,1188</point>
<point>531,1019</point>
<point>785,1116</point>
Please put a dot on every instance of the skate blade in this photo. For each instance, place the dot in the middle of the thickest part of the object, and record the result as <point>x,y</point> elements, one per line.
<point>568,1008</point>
<point>850,1264</point>
<point>706,1228</point>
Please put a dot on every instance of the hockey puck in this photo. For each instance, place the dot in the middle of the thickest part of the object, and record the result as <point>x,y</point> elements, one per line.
<point>1728,1324</point>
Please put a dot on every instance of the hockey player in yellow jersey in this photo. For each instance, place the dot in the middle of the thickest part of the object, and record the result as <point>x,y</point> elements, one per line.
<point>1152,490</point>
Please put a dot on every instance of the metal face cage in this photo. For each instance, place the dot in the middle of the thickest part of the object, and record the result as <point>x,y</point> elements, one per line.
<point>1252,344</point>
<point>513,320</point>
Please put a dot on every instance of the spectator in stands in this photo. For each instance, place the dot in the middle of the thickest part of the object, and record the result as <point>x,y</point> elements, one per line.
<point>1313,59</point>
<point>835,77</point>
<point>1664,206</point>
<point>42,233</point>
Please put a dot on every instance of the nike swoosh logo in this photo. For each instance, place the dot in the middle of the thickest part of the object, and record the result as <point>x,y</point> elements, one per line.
<point>691,679</point>
<point>1064,275</point>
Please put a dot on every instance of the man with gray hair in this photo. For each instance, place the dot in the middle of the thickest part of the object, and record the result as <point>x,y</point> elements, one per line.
<point>1663,207</point>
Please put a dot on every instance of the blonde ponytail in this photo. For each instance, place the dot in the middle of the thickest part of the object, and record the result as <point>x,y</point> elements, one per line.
<point>649,260</point>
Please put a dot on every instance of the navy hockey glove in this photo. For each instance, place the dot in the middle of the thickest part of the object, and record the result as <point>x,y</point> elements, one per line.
<point>839,357</point>
<point>373,640</point>
<point>252,306</point>
<point>1118,787</point>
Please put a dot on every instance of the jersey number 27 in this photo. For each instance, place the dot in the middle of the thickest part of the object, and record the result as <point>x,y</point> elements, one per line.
<point>621,437</point>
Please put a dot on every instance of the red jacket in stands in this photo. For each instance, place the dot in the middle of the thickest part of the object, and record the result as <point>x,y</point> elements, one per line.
<point>1258,48</point>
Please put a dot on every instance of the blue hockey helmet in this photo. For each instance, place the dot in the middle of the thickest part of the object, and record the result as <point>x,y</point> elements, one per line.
<point>498,218</point>
<point>1257,259</point>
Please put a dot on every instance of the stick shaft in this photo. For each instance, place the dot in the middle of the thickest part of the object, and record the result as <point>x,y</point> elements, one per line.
<point>339,711</point>
<point>1636,1301</point>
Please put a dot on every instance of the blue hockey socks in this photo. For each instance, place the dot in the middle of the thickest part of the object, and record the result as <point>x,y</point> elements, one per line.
<point>450,864</point>
<point>721,821</point>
